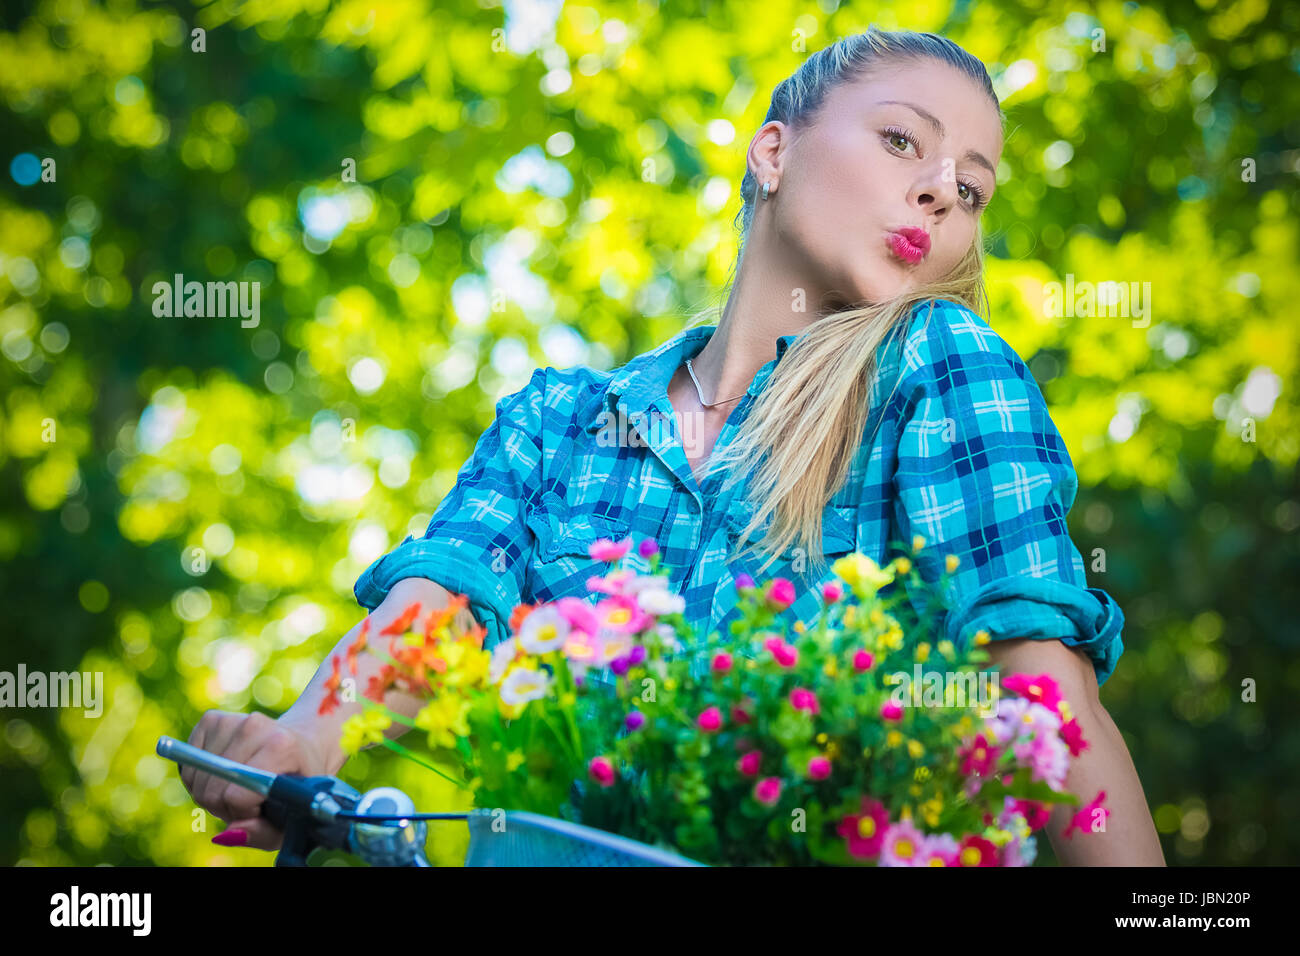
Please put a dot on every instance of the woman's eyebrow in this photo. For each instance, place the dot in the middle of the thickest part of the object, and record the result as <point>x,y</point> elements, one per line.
<point>971,155</point>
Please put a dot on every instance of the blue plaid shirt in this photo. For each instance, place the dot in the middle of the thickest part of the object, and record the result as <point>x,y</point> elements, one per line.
<point>959,448</point>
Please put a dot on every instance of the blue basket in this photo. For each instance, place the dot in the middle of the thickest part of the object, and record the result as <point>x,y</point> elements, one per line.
<point>518,838</point>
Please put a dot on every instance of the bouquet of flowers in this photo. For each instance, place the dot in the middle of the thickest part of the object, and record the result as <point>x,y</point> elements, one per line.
<point>857,740</point>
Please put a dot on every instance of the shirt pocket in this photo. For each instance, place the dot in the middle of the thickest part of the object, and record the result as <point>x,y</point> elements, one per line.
<point>563,562</point>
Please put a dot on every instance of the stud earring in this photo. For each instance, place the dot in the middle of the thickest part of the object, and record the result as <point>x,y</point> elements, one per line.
<point>766,187</point>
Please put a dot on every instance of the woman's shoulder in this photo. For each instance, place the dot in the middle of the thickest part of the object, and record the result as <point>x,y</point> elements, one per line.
<point>948,341</point>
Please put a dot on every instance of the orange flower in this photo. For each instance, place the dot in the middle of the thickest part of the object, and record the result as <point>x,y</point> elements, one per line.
<point>331,689</point>
<point>403,622</point>
<point>379,683</point>
<point>358,645</point>
<point>520,612</point>
<point>443,616</point>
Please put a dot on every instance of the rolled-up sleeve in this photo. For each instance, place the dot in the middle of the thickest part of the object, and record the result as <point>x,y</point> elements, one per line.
<point>478,542</point>
<point>982,473</point>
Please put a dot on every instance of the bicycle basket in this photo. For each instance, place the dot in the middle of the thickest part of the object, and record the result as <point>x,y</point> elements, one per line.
<point>518,838</point>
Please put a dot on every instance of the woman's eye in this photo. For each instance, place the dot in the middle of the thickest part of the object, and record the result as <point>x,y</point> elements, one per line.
<point>899,142</point>
<point>969,197</point>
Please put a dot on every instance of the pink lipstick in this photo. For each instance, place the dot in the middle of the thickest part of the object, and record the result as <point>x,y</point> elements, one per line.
<point>909,244</point>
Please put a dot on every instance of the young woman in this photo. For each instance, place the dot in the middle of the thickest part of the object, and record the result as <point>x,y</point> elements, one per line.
<point>849,398</point>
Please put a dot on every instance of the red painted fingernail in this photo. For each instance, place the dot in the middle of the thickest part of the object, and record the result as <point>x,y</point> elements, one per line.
<point>231,838</point>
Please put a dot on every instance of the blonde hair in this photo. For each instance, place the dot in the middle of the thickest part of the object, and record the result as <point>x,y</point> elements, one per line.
<point>807,425</point>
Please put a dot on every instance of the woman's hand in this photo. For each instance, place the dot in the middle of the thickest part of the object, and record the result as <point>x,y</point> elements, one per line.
<point>258,741</point>
<point>302,740</point>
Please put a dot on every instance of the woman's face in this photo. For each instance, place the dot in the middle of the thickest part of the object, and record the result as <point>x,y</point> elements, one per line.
<point>883,191</point>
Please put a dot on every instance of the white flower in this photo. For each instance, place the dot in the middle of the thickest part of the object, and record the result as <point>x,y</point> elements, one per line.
<point>544,629</point>
<point>502,655</point>
<point>660,601</point>
<point>524,684</point>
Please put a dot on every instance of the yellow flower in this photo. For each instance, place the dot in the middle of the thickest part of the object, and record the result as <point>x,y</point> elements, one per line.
<point>877,617</point>
<point>915,749</point>
<point>831,667</point>
<point>820,738</point>
<point>445,718</point>
<point>918,542</point>
<point>364,728</point>
<point>951,562</point>
<point>799,627</point>
<point>915,790</point>
<point>921,773</point>
<point>850,615</point>
<point>862,574</point>
<point>922,652</point>
<point>1066,713</point>
<point>906,812</point>
<point>981,638</point>
<point>946,649</point>
<point>902,565</point>
<point>832,750</point>
<point>893,738</point>
<point>931,809</point>
<point>513,760</point>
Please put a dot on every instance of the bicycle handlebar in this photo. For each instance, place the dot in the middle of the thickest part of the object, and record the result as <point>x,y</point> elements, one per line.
<point>322,811</point>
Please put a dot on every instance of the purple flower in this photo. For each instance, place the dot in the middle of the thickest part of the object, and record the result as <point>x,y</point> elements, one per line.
<point>744,581</point>
<point>634,720</point>
<point>647,548</point>
<point>620,665</point>
<point>636,655</point>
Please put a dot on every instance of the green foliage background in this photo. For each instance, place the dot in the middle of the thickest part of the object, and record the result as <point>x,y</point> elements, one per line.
<point>294,453</point>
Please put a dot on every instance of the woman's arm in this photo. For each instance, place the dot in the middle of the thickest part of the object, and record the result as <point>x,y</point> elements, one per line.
<point>1130,835</point>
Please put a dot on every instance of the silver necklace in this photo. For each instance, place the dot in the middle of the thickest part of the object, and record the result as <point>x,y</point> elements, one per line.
<point>700,394</point>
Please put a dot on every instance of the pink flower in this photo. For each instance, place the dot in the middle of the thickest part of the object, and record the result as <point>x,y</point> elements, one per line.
<point>780,593</point>
<point>891,710</point>
<point>622,614</point>
<point>580,615</point>
<point>1083,820</point>
<point>1072,734</point>
<point>722,662</point>
<point>616,582</point>
<point>939,849</point>
<point>768,790</point>
<point>607,550</point>
<point>749,763</point>
<point>648,548</point>
<point>601,771</point>
<point>902,845</point>
<point>863,661</point>
<point>864,832</point>
<point>710,720</point>
<point>1040,689</point>
<point>784,654</point>
<point>739,715</point>
<point>819,768</point>
<point>1036,814</point>
<point>832,592</point>
<point>803,699</point>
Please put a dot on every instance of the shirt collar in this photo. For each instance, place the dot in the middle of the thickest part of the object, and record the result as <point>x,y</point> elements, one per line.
<point>644,379</point>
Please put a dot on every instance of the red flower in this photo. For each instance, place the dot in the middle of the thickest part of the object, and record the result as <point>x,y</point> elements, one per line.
<point>1035,813</point>
<point>520,612</point>
<point>332,689</point>
<point>979,759</point>
<point>976,851</point>
<point>865,831</point>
